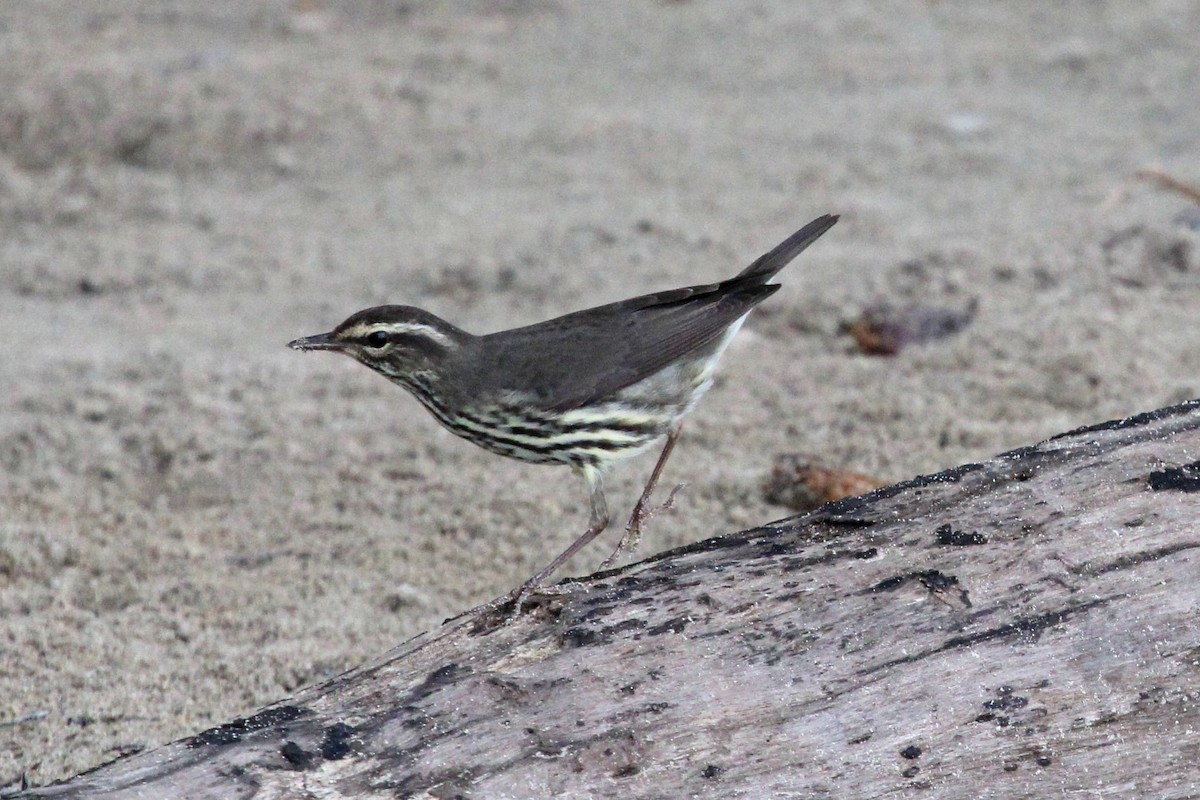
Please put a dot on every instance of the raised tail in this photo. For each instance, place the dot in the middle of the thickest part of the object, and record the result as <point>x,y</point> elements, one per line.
<point>765,267</point>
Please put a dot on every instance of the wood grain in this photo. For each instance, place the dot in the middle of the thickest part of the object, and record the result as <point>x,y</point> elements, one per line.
<point>1024,627</point>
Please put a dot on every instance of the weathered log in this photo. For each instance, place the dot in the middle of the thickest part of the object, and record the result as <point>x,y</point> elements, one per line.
<point>1021,628</point>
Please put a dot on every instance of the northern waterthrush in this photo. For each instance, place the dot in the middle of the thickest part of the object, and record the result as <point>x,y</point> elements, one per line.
<point>587,389</point>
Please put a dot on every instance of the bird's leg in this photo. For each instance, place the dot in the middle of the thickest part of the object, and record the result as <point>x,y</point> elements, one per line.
<point>597,523</point>
<point>641,511</point>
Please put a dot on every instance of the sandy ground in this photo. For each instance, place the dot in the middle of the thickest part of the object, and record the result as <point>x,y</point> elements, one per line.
<point>196,521</point>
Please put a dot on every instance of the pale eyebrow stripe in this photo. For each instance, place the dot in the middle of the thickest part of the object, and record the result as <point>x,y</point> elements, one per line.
<point>363,329</point>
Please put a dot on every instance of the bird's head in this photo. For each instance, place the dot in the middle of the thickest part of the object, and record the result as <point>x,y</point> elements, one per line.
<point>396,341</point>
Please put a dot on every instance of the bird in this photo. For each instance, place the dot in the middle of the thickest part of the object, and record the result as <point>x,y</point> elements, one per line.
<point>586,390</point>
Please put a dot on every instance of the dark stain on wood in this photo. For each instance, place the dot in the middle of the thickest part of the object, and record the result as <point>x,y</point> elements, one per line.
<point>296,755</point>
<point>442,676</point>
<point>1136,421</point>
<point>936,581</point>
<point>675,625</point>
<point>1027,629</point>
<point>1177,479</point>
<point>337,741</point>
<point>1006,700</point>
<point>608,632</point>
<point>232,732</point>
<point>580,637</point>
<point>1134,559</point>
<point>888,584</point>
<point>948,536</point>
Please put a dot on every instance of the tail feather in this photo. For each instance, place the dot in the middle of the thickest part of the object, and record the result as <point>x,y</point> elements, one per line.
<point>766,266</point>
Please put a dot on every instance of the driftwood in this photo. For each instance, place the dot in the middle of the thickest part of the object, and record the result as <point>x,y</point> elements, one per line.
<point>1022,628</point>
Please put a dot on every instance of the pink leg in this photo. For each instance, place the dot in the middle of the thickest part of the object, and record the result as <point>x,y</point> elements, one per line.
<point>597,523</point>
<point>641,513</point>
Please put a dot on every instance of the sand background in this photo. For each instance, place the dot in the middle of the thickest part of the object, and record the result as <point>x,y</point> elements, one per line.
<point>196,521</point>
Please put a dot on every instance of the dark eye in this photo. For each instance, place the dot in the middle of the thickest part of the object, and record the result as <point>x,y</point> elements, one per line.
<point>378,339</point>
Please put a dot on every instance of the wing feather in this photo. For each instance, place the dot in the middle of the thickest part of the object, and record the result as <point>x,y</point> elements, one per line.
<point>575,359</point>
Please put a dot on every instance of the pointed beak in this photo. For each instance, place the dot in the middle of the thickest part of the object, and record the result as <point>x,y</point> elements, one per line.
<point>322,341</point>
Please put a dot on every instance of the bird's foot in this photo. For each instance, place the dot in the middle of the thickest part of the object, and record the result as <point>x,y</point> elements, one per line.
<point>523,593</point>
<point>512,603</point>
<point>633,529</point>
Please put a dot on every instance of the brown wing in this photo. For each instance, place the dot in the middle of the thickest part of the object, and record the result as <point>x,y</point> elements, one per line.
<point>575,359</point>
<point>570,361</point>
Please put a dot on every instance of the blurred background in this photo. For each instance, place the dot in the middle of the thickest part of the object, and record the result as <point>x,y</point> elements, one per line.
<point>196,521</point>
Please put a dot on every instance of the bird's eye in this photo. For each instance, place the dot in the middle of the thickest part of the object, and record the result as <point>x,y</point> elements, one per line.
<point>377,339</point>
